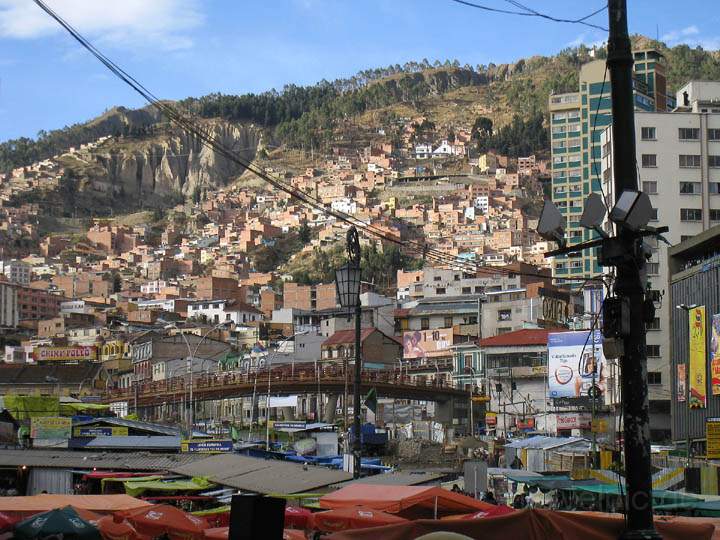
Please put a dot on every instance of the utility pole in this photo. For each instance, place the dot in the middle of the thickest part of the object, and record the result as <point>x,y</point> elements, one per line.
<point>628,285</point>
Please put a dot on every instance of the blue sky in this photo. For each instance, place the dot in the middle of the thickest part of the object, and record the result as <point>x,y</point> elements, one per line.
<point>180,48</point>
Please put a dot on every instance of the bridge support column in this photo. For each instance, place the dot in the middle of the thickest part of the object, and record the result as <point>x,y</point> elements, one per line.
<point>287,413</point>
<point>444,411</point>
<point>330,408</point>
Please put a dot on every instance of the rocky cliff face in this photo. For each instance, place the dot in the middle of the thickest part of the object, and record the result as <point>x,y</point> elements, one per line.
<point>172,164</point>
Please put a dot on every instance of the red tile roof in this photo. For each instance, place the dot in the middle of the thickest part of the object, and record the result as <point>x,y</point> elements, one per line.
<point>521,338</point>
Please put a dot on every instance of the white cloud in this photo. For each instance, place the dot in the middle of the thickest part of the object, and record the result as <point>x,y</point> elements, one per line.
<point>587,40</point>
<point>675,36</point>
<point>163,24</point>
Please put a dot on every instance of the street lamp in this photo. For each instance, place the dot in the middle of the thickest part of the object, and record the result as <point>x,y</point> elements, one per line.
<point>687,309</point>
<point>347,282</point>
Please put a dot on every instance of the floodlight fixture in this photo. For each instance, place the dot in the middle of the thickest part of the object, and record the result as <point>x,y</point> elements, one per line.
<point>632,210</point>
<point>552,224</point>
<point>594,214</point>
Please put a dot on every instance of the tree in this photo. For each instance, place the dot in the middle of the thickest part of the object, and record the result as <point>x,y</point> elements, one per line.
<point>482,128</point>
<point>305,233</point>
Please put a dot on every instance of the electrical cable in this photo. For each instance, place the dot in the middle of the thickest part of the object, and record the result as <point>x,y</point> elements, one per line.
<point>208,139</point>
<point>580,20</point>
<point>532,13</point>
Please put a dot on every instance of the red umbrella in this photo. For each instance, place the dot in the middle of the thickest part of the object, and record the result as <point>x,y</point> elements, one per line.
<point>162,519</point>
<point>356,517</point>
<point>297,517</point>
<point>217,533</point>
<point>499,510</point>
<point>6,521</point>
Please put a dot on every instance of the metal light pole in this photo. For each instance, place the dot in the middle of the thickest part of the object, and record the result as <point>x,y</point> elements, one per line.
<point>190,415</point>
<point>267,403</point>
<point>472,385</point>
<point>687,310</point>
<point>347,282</point>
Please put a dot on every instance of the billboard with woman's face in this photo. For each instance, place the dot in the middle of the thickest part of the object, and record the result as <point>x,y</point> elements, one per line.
<point>427,343</point>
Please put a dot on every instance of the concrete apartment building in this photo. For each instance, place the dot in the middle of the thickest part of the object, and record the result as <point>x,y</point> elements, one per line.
<point>215,288</point>
<point>678,156</point>
<point>577,121</point>
<point>16,271</point>
<point>9,314</point>
<point>309,297</point>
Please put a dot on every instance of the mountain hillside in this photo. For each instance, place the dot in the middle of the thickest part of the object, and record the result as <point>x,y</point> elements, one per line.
<point>147,161</point>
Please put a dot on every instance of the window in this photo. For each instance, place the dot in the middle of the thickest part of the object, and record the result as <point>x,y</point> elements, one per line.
<point>714,215</point>
<point>504,314</point>
<point>690,214</point>
<point>440,290</point>
<point>473,319</point>
<point>714,188</point>
<point>655,325</point>
<point>479,289</point>
<point>654,214</point>
<point>649,187</point>
<point>654,377</point>
<point>448,322</point>
<point>437,278</point>
<point>653,269</point>
<point>713,134</point>
<point>689,161</point>
<point>690,188</point>
<point>647,133</point>
<point>466,290</point>
<point>688,134</point>
<point>714,161</point>
<point>653,351</point>
<point>504,330</point>
<point>649,160</point>
<point>425,323</point>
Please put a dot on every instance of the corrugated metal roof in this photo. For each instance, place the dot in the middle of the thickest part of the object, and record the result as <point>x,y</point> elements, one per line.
<point>136,424</point>
<point>397,479</point>
<point>68,459</point>
<point>540,441</point>
<point>260,475</point>
<point>130,442</point>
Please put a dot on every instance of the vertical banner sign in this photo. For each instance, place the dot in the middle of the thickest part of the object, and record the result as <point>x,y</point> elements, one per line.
<point>715,355</point>
<point>681,382</point>
<point>698,355</point>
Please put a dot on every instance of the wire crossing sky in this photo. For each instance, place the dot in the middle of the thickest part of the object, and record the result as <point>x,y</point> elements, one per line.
<point>183,48</point>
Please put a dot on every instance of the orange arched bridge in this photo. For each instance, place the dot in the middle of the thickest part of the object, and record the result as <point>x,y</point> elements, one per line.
<point>285,381</point>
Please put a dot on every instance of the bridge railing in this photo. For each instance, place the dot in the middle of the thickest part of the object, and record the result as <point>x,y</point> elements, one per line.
<point>281,375</point>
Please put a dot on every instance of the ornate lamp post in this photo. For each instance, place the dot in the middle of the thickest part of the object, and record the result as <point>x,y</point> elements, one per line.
<point>347,282</point>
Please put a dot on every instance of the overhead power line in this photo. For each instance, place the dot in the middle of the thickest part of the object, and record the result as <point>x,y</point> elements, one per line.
<point>528,12</point>
<point>188,124</point>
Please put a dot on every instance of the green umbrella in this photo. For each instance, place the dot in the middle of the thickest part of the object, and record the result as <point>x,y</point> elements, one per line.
<point>65,521</point>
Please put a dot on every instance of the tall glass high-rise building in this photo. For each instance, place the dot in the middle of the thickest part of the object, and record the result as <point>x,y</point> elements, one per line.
<point>576,121</point>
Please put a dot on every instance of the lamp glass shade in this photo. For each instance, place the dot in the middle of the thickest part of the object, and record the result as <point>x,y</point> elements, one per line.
<point>347,284</point>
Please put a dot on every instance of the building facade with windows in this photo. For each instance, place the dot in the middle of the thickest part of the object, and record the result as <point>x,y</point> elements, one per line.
<point>577,121</point>
<point>678,157</point>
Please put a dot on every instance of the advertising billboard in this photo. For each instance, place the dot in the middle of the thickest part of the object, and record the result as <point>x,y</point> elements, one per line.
<point>206,447</point>
<point>573,357</point>
<point>50,427</point>
<point>100,431</point>
<point>712,436</point>
<point>715,354</point>
<point>64,354</point>
<point>427,343</point>
<point>573,420</point>
<point>698,372</point>
<point>681,382</point>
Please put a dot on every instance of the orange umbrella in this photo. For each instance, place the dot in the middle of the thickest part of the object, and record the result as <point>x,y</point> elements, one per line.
<point>356,517</point>
<point>297,517</point>
<point>222,533</point>
<point>217,533</point>
<point>116,527</point>
<point>162,519</point>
